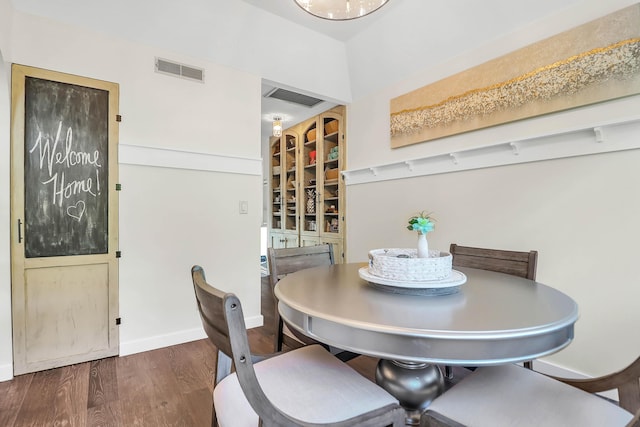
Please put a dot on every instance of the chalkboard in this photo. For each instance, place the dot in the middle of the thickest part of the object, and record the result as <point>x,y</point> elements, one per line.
<point>65,169</point>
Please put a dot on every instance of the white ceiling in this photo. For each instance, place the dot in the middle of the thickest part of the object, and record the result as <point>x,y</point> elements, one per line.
<point>401,39</point>
<point>339,30</point>
<point>449,28</point>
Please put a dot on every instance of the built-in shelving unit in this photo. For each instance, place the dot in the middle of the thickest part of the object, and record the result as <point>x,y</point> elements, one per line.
<point>310,208</point>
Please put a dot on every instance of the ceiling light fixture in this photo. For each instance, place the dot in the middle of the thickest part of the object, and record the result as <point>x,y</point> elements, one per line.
<point>277,126</point>
<point>340,10</point>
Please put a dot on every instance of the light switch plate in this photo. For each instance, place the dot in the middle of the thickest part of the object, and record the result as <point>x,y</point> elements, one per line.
<point>244,207</point>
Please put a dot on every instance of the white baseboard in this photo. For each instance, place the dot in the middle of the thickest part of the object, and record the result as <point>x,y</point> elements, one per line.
<point>180,337</point>
<point>6,372</point>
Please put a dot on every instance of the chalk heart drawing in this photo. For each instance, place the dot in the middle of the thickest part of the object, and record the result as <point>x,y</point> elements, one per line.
<point>77,211</point>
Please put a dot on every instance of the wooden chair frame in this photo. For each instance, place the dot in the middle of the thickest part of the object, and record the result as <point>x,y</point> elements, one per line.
<point>289,260</point>
<point>521,264</point>
<point>223,322</point>
<point>284,261</point>
<point>515,263</point>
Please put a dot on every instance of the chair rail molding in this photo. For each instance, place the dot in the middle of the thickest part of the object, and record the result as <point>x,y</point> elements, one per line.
<point>180,159</point>
<point>616,135</point>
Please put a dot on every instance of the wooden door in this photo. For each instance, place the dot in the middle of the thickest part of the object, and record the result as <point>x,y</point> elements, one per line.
<point>64,219</point>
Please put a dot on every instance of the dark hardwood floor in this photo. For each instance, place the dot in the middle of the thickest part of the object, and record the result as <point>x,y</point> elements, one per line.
<point>171,386</point>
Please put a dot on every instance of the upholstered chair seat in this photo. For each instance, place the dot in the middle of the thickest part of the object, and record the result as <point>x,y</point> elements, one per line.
<point>510,395</point>
<point>308,382</point>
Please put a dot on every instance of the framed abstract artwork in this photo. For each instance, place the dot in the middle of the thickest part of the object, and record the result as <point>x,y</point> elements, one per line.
<point>595,62</point>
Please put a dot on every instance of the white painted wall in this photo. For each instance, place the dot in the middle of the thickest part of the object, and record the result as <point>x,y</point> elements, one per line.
<point>170,218</point>
<point>6,367</point>
<point>579,213</point>
<point>6,11</point>
<point>416,35</point>
<point>230,33</point>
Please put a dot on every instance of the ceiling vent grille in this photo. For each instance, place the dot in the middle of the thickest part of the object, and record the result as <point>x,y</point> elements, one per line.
<point>177,69</point>
<point>294,97</point>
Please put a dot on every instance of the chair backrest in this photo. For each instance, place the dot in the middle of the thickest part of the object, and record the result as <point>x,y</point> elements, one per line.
<point>521,264</point>
<point>223,322</point>
<point>211,306</point>
<point>284,261</point>
<point>626,381</point>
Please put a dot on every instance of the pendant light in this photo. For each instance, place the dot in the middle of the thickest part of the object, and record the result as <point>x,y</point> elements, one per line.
<point>277,126</point>
<point>340,10</point>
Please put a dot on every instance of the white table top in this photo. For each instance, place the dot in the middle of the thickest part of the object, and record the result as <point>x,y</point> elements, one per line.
<point>494,319</point>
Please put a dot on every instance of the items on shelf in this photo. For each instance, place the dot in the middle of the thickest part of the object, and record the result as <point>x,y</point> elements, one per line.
<point>312,157</point>
<point>332,226</point>
<point>311,135</point>
<point>333,154</point>
<point>311,201</point>
<point>331,127</point>
<point>331,174</point>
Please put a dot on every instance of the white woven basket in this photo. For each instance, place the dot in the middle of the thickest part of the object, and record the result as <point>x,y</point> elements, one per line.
<point>403,264</point>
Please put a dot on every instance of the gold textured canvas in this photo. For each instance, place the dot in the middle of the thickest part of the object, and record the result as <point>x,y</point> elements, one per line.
<point>594,62</point>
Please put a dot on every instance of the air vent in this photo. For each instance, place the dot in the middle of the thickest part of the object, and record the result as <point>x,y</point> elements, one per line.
<point>296,98</point>
<point>172,68</point>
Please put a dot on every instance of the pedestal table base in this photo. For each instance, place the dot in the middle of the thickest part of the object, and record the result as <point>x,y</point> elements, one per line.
<point>414,384</point>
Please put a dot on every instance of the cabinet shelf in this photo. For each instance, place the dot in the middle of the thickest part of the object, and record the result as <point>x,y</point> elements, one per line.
<point>333,137</point>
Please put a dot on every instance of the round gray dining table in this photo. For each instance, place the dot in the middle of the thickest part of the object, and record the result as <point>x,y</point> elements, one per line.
<point>491,319</point>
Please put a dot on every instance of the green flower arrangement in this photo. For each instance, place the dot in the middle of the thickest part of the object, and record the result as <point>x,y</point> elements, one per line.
<point>422,223</point>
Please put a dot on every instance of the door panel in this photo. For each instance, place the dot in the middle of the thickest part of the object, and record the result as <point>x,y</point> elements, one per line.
<point>51,332</point>
<point>64,218</point>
